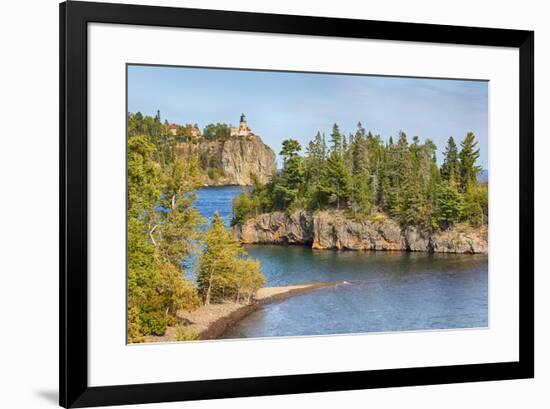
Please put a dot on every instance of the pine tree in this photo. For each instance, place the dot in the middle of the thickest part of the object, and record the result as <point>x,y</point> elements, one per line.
<point>336,139</point>
<point>314,168</point>
<point>357,163</point>
<point>450,170</point>
<point>337,180</point>
<point>291,181</point>
<point>359,152</point>
<point>469,154</point>
<point>449,204</point>
<point>375,162</point>
<point>224,270</point>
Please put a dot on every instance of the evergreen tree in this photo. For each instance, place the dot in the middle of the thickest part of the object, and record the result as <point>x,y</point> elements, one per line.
<point>449,203</point>
<point>475,205</point>
<point>375,162</point>
<point>357,162</point>
<point>291,148</point>
<point>224,270</point>
<point>291,182</point>
<point>337,180</point>
<point>469,154</point>
<point>450,170</point>
<point>314,168</point>
<point>359,151</point>
<point>336,140</point>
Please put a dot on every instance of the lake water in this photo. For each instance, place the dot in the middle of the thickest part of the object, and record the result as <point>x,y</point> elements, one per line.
<point>379,291</point>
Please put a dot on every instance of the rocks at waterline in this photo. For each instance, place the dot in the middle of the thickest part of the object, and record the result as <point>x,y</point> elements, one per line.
<point>277,228</point>
<point>333,230</point>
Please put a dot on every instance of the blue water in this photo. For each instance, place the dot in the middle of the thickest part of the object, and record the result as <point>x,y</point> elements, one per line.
<point>379,291</point>
<point>217,199</point>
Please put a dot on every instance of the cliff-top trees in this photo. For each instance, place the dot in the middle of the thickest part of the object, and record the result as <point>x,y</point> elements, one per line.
<point>361,195</point>
<point>469,154</point>
<point>288,186</point>
<point>362,175</point>
<point>224,270</point>
<point>450,170</point>
<point>216,132</point>
<point>315,163</point>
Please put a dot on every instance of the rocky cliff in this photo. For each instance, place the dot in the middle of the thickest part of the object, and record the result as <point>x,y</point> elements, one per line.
<point>232,162</point>
<point>333,230</point>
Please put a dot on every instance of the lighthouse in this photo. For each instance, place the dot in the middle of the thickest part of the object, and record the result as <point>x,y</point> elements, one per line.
<point>243,129</point>
<point>243,126</point>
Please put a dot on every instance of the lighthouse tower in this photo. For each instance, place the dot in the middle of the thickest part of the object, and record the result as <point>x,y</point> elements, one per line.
<point>243,129</point>
<point>243,126</point>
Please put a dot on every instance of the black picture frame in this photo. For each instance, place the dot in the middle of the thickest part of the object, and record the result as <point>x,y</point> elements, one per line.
<point>74,17</point>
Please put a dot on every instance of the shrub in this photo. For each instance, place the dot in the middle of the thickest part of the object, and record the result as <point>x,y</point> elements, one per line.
<point>185,333</point>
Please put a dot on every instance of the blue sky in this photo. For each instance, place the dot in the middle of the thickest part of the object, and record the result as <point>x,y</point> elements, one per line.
<point>279,105</point>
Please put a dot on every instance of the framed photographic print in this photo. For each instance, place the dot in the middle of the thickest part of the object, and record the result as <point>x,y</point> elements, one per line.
<point>257,204</point>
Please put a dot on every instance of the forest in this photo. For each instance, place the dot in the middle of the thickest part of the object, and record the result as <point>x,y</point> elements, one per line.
<point>367,177</point>
<point>166,235</point>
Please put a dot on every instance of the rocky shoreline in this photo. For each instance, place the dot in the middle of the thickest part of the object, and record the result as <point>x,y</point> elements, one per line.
<point>333,230</point>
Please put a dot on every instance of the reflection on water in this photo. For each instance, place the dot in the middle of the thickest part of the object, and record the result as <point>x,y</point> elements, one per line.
<point>379,291</point>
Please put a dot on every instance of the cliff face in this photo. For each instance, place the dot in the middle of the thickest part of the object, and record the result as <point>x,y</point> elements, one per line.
<point>234,161</point>
<point>332,230</point>
<point>277,228</point>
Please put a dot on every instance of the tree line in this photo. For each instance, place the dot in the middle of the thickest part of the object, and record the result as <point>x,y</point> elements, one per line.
<point>166,233</point>
<point>166,143</point>
<point>366,177</point>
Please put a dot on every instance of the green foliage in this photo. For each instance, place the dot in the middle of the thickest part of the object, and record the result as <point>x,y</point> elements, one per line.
<point>143,175</point>
<point>216,132</point>
<point>224,270</point>
<point>244,206</point>
<point>213,173</point>
<point>449,203</point>
<point>164,232</point>
<point>288,185</point>
<point>364,176</point>
<point>336,140</point>
<point>475,205</point>
<point>291,148</point>
<point>469,154</point>
<point>175,230</point>
<point>253,203</point>
<point>159,242</point>
<point>157,134</point>
<point>184,333</point>
<point>450,170</point>
<point>336,180</point>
